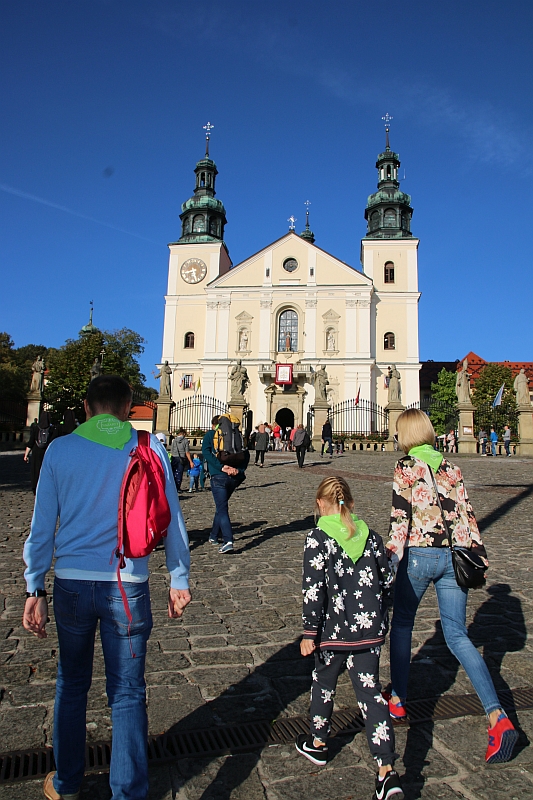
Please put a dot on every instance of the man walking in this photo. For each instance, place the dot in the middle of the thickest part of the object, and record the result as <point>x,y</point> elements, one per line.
<point>180,456</point>
<point>224,481</point>
<point>482,439</point>
<point>507,440</point>
<point>80,483</point>
<point>327,438</point>
<point>301,442</point>
<point>493,441</point>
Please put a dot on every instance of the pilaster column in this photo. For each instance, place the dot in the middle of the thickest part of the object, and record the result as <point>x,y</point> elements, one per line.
<point>466,441</point>
<point>211,329</point>
<point>223,328</point>
<point>351,337</point>
<point>310,329</point>
<point>363,319</point>
<point>265,321</point>
<point>525,430</point>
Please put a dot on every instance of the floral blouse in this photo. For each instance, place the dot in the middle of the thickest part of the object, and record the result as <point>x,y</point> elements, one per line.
<point>416,520</point>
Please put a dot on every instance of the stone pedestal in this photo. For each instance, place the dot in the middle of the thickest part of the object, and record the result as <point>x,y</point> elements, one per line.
<point>466,440</point>
<point>34,407</point>
<point>321,411</point>
<point>525,430</point>
<point>236,407</point>
<point>395,408</point>
<point>162,419</point>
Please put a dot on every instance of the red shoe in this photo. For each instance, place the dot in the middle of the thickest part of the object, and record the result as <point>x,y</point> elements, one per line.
<point>502,739</point>
<point>397,710</point>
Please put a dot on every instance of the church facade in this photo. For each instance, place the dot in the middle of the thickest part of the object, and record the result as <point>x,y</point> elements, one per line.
<point>292,304</point>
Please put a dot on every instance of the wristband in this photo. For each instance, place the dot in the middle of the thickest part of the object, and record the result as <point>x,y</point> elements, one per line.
<point>36,593</point>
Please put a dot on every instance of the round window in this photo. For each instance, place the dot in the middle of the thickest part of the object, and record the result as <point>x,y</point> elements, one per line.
<point>290,264</point>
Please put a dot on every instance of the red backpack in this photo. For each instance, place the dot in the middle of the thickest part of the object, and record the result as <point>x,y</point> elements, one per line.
<point>143,510</point>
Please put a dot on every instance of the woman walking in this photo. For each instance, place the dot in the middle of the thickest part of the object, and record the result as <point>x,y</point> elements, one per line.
<point>301,443</point>
<point>419,542</point>
<point>261,445</point>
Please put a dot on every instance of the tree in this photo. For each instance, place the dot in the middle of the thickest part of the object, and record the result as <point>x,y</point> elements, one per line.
<point>443,399</point>
<point>15,368</point>
<point>490,381</point>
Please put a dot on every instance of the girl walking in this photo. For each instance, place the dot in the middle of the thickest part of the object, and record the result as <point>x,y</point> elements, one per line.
<point>346,585</point>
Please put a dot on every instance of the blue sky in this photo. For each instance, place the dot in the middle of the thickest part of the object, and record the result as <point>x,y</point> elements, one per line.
<point>103,105</point>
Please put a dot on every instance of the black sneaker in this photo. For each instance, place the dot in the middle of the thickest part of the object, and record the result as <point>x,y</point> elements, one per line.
<point>318,755</point>
<point>390,786</point>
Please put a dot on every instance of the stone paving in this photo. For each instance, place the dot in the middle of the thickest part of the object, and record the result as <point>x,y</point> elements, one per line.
<point>234,657</point>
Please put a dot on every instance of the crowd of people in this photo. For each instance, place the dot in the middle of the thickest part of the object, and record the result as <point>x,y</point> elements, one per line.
<point>348,577</point>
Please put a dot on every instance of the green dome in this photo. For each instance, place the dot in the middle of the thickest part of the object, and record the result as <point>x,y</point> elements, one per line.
<point>203,201</point>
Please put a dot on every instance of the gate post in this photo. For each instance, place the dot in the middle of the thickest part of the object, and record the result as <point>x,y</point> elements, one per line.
<point>525,430</point>
<point>394,409</point>
<point>236,407</point>
<point>162,419</point>
<point>321,412</point>
<point>466,441</point>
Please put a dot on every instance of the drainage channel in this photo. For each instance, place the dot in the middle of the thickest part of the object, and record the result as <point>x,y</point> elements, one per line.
<point>229,739</point>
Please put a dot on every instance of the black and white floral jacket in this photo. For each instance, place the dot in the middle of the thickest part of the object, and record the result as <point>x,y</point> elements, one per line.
<point>345,605</point>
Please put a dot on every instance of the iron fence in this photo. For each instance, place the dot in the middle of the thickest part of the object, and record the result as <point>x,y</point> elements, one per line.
<point>12,414</point>
<point>195,413</point>
<point>358,418</point>
<point>485,417</point>
<point>444,416</point>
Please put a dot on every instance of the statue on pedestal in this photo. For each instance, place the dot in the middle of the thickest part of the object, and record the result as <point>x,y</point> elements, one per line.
<point>462,384</point>
<point>239,381</point>
<point>320,381</point>
<point>331,341</point>
<point>521,387</point>
<point>96,369</point>
<point>37,375</point>
<point>164,384</point>
<point>394,384</point>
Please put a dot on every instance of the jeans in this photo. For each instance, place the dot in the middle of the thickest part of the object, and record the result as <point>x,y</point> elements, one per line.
<point>493,447</point>
<point>78,606</point>
<point>222,487</point>
<point>178,468</point>
<point>300,454</point>
<point>194,480</point>
<point>507,445</point>
<point>329,443</point>
<point>419,567</point>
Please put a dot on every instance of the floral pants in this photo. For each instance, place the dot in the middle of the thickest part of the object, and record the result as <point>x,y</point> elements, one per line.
<point>363,668</point>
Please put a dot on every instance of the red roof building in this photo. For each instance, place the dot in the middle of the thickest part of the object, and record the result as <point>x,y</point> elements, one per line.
<point>476,364</point>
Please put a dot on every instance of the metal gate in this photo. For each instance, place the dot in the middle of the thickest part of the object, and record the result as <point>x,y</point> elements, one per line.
<point>195,414</point>
<point>358,418</point>
<point>444,416</point>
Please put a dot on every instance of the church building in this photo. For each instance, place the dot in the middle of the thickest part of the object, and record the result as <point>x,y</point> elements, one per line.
<point>294,305</point>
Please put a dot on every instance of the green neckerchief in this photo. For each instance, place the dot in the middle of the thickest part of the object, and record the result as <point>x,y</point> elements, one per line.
<point>107,430</point>
<point>353,547</point>
<point>428,454</point>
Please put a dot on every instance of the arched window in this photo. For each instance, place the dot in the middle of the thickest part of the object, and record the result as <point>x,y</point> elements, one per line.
<point>202,179</point>
<point>389,341</point>
<point>288,331</point>
<point>389,272</point>
<point>213,227</point>
<point>188,341</point>
<point>390,218</point>
<point>198,224</point>
<point>374,220</point>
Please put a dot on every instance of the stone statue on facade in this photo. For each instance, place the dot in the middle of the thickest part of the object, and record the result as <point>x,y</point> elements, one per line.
<point>288,343</point>
<point>164,384</point>
<point>462,384</point>
<point>96,369</point>
<point>321,383</point>
<point>239,381</point>
<point>243,341</point>
<point>331,341</point>
<point>37,375</point>
<point>394,385</point>
<point>521,387</point>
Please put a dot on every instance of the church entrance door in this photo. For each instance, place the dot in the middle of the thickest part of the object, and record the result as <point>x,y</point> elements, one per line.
<point>285,418</point>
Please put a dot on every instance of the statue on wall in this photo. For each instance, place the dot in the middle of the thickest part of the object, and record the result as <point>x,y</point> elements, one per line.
<point>239,381</point>
<point>164,384</point>
<point>243,340</point>
<point>394,385</point>
<point>521,387</point>
<point>288,343</point>
<point>330,345</point>
<point>321,383</point>
<point>37,374</point>
<point>96,369</point>
<point>462,384</point>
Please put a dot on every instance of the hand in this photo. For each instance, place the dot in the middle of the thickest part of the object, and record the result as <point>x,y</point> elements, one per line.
<point>307,646</point>
<point>230,470</point>
<point>178,599</point>
<point>26,456</point>
<point>36,616</point>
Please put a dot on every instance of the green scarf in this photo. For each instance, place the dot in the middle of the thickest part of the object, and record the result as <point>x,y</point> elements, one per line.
<point>332,526</point>
<point>107,430</point>
<point>428,454</point>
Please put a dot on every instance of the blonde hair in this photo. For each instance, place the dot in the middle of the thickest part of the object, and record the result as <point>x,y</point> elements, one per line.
<point>336,492</point>
<point>414,428</point>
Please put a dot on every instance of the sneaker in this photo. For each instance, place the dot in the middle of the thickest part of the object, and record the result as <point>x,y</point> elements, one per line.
<point>502,739</point>
<point>190,491</point>
<point>226,548</point>
<point>397,710</point>
<point>213,541</point>
<point>305,745</point>
<point>51,794</point>
<point>390,786</point>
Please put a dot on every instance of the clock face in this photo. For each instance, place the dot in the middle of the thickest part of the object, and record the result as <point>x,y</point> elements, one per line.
<point>193,270</point>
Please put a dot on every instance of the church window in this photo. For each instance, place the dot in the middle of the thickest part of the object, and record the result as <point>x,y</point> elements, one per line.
<point>374,221</point>
<point>198,224</point>
<point>390,218</point>
<point>290,264</point>
<point>202,179</point>
<point>213,227</point>
<point>389,272</point>
<point>389,341</point>
<point>288,331</point>
<point>189,340</point>
<point>186,226</point>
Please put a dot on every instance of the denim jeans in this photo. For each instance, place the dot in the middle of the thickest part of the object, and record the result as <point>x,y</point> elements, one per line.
<point>78,606</point>
<point>222,487</point>
<point>507,445</point>
<point>419,567</point>
<point>178,468</point>
<point>329,443</point>
<point>493,447</point>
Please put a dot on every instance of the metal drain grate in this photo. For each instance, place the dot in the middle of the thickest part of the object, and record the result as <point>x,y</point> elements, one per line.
<point>226,739</point>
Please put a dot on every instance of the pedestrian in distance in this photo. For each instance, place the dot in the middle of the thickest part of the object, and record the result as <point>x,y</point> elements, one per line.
<point>194,474</point>
<point>224,481</point>
<point>276,433</point>
<point>346,597</point>
<point>327,439</point>
<point>507,440</point>
<point>261,445</point>
<point>483,439</point>
<point>42,433</point>
<point>81,483</point>
<point>420,548</point>
<point>493,441</point>
<point>301,442</point>
<point>452,445</point>
<point>180,456</point>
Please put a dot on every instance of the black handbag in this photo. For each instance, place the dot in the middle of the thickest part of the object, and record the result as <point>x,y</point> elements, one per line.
<point>469,568</point>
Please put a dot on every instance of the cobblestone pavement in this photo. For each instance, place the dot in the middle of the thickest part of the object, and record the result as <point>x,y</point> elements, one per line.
<point>235,656</point>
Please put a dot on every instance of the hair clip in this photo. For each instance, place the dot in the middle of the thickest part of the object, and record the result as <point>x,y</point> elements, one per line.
<point>341,502</point>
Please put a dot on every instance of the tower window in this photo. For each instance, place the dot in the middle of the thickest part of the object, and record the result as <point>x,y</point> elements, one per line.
<point>213,227</point>
<point>390,218</point>
<point>198,224</point>
<point>288,331</point>
<point>389,341</point>
<point>389,272</point>
<point>374,220</point>
<point>188,342</point>
<point>202,179</point>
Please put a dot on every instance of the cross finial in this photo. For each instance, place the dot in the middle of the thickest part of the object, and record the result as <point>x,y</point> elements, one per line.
<point>207,128</point>
<point>91,306</point>
<point>387,120</point>
<point>292,222</point>
<point>307,204</point>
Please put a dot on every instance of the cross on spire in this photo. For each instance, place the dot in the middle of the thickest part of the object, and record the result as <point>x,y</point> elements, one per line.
<point>292,222</point>
<point>307,204</point>
<point>207,128</point>
<point>387,120</point>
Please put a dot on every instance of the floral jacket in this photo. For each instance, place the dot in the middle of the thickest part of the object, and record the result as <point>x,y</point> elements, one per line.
<point>416,520</point>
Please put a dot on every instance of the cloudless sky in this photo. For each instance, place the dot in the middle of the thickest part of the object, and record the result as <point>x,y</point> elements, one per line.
<point>103,103</point>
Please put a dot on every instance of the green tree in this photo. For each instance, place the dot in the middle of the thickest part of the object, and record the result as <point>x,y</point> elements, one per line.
<point>443,400</point>
<point>490,380</point>
<point>15,368</point>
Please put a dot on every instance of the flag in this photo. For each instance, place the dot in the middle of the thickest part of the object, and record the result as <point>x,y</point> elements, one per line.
<point>356,401</point>
<point>197,386</point>
<point>498,398</point>
<point>181,381</point>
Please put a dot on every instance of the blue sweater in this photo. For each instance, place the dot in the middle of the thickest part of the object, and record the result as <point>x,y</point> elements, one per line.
<point>80,483</point>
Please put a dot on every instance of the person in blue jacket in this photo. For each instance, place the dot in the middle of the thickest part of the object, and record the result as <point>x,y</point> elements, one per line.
<point>493,440</point>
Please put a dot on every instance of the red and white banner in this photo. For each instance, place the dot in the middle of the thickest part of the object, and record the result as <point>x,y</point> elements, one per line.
<point>283,374</point>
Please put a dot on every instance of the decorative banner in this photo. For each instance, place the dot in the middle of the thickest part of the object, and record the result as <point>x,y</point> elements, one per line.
<point>283,373</point>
